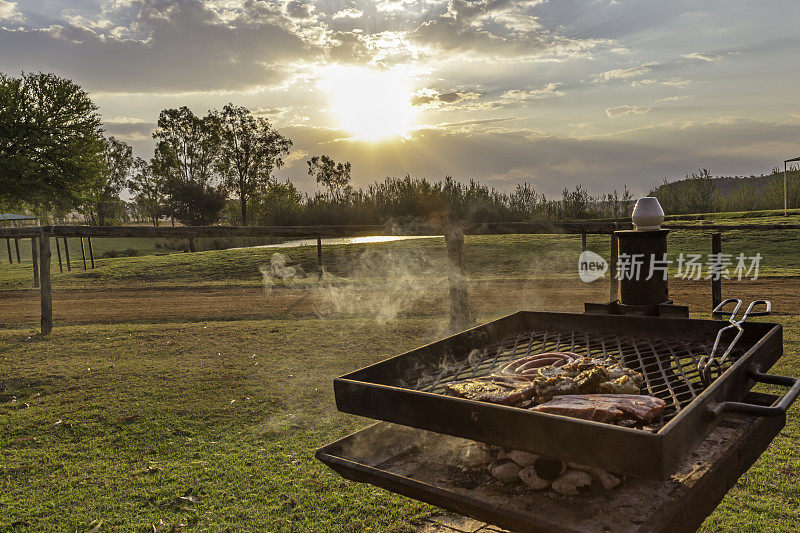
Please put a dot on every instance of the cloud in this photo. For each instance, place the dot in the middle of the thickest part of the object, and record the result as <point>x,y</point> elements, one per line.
<point>621,74</point>
<point>181,45</point>
<point>704,58</point>
<point>676,82</point>
<point>622,110</point>
<point>131,130</point>
<point>124,120</point>
<point>10,12</point>
<point>670,99</point>
<point>432,98</point>
<point>500,29</point>
<point>349,12</point>
<point>299,10</point>
<point>639,158</point>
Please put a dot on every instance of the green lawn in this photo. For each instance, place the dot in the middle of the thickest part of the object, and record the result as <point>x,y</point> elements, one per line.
<point>486,257</point>
<point>130,424</point>
<point>214,424</point>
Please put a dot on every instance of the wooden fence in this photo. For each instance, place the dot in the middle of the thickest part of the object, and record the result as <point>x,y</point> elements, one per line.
<point>44,234</point>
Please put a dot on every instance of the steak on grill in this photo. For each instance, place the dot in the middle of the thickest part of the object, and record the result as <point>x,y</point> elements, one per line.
<point>505,391</point>
<point>605,407</point>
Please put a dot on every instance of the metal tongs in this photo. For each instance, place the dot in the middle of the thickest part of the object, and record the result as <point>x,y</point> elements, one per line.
<point>706,364</point>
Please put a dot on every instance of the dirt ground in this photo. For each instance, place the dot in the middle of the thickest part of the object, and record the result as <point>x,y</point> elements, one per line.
<point>19,307</point>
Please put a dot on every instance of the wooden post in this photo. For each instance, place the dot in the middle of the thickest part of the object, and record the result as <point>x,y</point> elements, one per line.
<point>8,245</point>
<point>583,242</point>
<point>716,284</point>
<point>91,252</point>
<point>66,254</point>
<point>16,245</point>
<point>35,257</point>
<point>612,269</point>
<point>191,244</point>
<point>319,256</point>
<point>83,254</point>
<point>58,250</point>
<point>44,277</point>
<point>460,315</point>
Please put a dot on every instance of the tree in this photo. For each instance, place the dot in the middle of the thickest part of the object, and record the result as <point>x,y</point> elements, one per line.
<point>277,204</point>
<point>249,151</point>
<point>147,189</point>
<point>51,145</point>
<point>702,190</point>
<point>193,203</point>
<point>185,156</point>
<point>102,197</point>
<point>334,176</point>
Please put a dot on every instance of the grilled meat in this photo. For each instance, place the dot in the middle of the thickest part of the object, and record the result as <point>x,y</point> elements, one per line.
<point>616,371</point>
<point>605,407</point>
<point>547,388</point>
<point>546,375</point>
<point>621,385</point>
<point>504,391</point>
<point>588,380</point>
<point>530,365</point>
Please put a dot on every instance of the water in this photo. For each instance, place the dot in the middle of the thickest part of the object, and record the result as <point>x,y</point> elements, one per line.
<point>346,240</point>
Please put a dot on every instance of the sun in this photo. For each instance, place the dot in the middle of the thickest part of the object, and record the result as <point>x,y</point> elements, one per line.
<point>369,103</point>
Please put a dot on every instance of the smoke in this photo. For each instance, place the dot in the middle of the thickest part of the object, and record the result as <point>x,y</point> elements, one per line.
<point>379,284</point>
<point>279,272</point>
<point>385,441</point>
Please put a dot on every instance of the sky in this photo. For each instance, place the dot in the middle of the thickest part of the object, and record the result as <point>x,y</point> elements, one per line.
<point>601,93</point>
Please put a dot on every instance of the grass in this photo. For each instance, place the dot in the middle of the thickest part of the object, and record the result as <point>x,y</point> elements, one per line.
<point>486,257</point>
<point>130,424</point>
<point>214,425</point>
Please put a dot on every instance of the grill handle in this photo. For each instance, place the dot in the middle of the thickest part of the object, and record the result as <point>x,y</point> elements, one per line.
<point>778,409</point>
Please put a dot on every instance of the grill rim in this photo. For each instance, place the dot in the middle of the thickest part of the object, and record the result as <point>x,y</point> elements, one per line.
<point>657,454</point>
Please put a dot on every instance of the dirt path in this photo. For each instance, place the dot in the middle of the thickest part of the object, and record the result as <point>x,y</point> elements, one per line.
<point>492,297</point>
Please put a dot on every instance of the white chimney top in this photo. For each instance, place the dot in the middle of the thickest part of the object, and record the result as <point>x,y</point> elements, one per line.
<point>647,214</point>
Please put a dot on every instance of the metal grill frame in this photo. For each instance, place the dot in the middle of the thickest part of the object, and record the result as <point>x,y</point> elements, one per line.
<point>380,391</point>
<point>669,366</point>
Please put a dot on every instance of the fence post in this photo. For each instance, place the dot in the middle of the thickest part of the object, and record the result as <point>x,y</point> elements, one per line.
<point>716,278</point>
<point>460,315</point>
<point>91,252</point>
<point>44,278</point>
<point>66,254</point>
<point>35,257</point>
<point>319,256</point>
<point>16,245</point>
<point>10,258</point>
<point>612,268</point>
<point>58,251</point>
<point>83,254</point>
<point>191,244</point>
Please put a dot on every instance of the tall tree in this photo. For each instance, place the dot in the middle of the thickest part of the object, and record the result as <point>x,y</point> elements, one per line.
<point>51,145</point>
<point>185,155</point>
<point>334,176</point>
<point>147,189</point>
<point>249,151</point>
<point>102,197</point>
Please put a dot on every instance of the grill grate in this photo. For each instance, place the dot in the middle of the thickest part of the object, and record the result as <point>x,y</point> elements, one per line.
<point>669,366</point>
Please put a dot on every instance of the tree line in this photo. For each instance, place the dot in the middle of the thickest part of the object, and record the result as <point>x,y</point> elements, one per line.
<point>700,192</point>
<point>56,161</point>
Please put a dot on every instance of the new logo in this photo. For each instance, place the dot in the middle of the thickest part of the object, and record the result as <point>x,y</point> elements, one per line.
<point>591,266</point>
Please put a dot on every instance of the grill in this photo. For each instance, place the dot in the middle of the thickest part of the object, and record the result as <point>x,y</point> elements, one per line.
<point>408,389</point>
<point>678,466</point>
<point>670,366</point>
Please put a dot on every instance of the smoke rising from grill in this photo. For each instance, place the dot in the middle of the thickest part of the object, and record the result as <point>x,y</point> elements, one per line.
<point>379,284</point>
